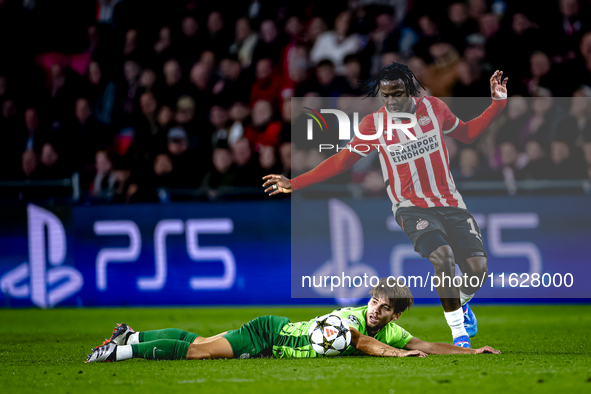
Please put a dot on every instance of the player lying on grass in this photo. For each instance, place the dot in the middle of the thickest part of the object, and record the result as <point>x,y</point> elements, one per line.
<point>425,201</point>
<point>373,332</point>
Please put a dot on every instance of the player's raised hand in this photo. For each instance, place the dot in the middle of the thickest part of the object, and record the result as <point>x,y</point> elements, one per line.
<point>277,184</point>
<point>487,349</point>
<point>413,353</point>
<point>498,88</point>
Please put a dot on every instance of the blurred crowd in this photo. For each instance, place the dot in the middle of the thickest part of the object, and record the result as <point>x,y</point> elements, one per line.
<point>139,95</point>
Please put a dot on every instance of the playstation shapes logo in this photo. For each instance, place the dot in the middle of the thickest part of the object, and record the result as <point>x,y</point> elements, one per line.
<point>45,269</point>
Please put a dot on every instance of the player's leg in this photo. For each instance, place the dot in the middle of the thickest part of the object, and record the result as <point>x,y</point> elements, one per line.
<point>125,335</point>
<point>161,349</point>
<point>443,261</point>
<point>471,258</point>
<point>428,235</point>
<point>218,347</point>
<point>167,333</point>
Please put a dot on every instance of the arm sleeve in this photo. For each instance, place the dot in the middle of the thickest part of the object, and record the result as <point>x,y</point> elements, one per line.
<point>330,167</point>
<point>397,336</point>
<point>342,161</point>
<point>468,132</point>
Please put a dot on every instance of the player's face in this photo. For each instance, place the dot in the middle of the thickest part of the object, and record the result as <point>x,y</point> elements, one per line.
<point>395,96</point>
<point>379,313</point>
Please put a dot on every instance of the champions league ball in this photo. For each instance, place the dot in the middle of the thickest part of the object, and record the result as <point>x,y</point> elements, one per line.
<point>329,335</point>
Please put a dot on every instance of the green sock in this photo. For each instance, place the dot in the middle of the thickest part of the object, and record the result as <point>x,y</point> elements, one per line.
<point>161,349</point>
<point>167,333</point>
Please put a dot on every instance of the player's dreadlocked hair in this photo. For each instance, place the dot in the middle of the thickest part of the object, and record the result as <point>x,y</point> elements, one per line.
<point>392,72</point>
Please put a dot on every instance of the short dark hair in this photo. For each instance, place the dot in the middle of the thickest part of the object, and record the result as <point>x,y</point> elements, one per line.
<point>325,62</point>
<point>392,72</point>
<point>398,293</point>
<point>351,59</point>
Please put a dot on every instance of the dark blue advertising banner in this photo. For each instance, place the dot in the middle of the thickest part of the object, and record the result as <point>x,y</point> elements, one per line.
<point>259,253</point>
<point>538,247</point>
<point>190,254</point>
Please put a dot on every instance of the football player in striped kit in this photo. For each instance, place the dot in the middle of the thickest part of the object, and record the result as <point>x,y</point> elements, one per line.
<point>418,180</point>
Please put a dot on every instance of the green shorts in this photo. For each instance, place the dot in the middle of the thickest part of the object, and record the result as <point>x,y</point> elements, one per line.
<point>256,338</point>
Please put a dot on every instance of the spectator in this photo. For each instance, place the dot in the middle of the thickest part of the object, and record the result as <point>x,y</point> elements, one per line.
<point>244,43</point>
<point>185,117</point>
<point>517,114</point>
<point>130,47</point>
<point>148,80</point>
<point>172,78</point>
<point>190,38</point>
<point>51,164</point>
<point>327,83</point>
<point>128,91</point>
<point>460,25</point>
<point>268,161</point>
<point>103,187</point>
<point>29,163</point>
<point>163,48</point>
<point>101,93</point>
<point>247,167</point>
<point>217,39</point>
<point>269,44</point>
<point>419,68</point>
<point>316,28</point>
<point>264,131</point>
<point>240,115</point>
<point>165,117</point>
<point>509,165</point>
<point>489,27</point>
<point>352,75</point>
<point>521,41</point>
<point>233,85</point>
<point>475,75</point>
<point>62,92</point>
<point>200,89</point>
<point>86,138</point>
<point>223,172</point>
<point>568,163</point>
<point>218,118</point>
<point>442,75</point>
<point>538,164</point>
<point>469,165</point>
<point>429,34</point>
<point>577,122</point>
<point>269,85</point>
<point>186,171</point>
<point>545,118</point>
<point>336,44</point>
<point>539,65</point>
<point>105,10</point>
<point>567,28</point>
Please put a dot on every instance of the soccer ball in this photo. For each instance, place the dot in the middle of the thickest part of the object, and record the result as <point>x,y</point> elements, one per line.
<point>329,335</point>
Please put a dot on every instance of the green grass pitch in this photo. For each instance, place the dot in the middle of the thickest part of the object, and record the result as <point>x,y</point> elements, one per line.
<point>545,349</point>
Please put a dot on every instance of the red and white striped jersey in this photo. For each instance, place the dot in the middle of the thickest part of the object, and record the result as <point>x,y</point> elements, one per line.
<point>419,175</point>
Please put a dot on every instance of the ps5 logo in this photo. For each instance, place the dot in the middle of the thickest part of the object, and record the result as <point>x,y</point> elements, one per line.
<point>43,250</point>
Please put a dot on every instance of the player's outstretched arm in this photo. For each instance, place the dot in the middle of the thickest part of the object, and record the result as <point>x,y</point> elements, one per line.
<point>469,131</point>
<point>445,348</point>
<point>373,347</point>
<point>334,165</point>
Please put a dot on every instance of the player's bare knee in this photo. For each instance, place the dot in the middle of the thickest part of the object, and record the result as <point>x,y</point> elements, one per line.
<point>442,258</point>
<point>478,265</point>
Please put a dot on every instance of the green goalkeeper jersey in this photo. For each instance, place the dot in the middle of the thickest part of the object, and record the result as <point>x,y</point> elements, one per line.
<point>293,341</point>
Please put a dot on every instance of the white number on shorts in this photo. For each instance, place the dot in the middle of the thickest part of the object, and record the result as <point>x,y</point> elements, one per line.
<point>473,229</point>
